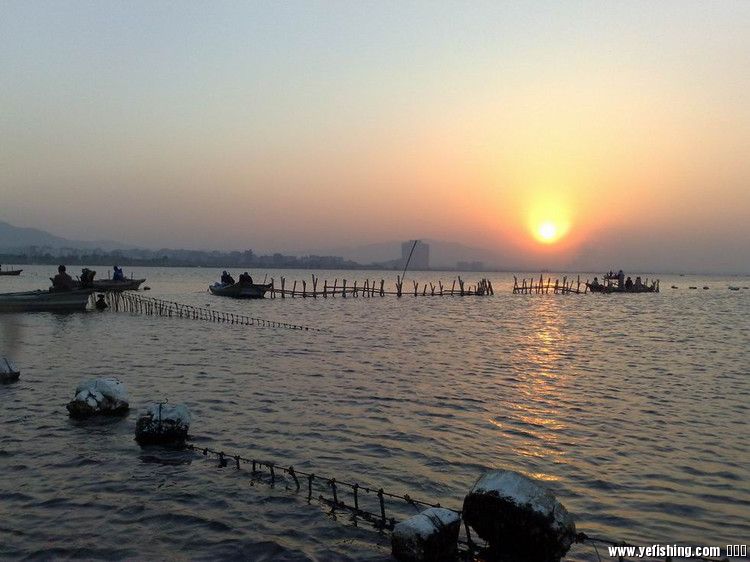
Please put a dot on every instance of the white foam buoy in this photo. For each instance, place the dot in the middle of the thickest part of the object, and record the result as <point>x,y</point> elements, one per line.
<point>163,424</point>
<point>8,370</point>
<point>431,535</point>
<point>101,396</point>
<point>518,518</point>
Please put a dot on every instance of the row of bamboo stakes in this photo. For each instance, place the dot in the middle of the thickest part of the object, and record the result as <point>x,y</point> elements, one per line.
<point>539,286</point>
<point>371,288</point>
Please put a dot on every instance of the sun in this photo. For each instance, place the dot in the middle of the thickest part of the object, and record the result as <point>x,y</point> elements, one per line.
<point>547,232</point>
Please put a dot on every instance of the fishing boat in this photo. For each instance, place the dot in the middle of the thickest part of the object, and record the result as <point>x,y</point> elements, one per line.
<point>240,290</point>
<point>45,301</point>
<point>10,271</point>
<point>611,285</point>
<point>118,285</point>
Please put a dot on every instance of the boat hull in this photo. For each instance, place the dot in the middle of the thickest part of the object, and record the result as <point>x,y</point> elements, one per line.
<point>239,290</point>
<point>11,272</point>
<point>124,285</point>
<point>44,301</point>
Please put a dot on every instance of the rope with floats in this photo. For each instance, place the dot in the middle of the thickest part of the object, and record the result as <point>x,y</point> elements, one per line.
<point>316,484</point>
<point>150,306</point>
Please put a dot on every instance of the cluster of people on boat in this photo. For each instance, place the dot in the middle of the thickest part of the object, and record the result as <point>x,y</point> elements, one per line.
<point>64,282</point>
<point>244,279</point>
<point>623,284</point>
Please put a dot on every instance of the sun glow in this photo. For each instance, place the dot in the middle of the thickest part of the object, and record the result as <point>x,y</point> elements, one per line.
<point>547,232</point>
<point>549,219</point>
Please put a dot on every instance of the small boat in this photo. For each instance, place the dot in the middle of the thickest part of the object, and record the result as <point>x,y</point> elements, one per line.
<point>10,271</point>
<point>44,301</point>
<point>118,285</point>
<point>239,290</point>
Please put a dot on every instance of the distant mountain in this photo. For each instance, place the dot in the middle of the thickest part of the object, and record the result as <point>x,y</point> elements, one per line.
<point>15,237</point>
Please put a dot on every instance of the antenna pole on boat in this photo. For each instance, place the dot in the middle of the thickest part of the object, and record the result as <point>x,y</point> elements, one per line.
<point>403,275</point>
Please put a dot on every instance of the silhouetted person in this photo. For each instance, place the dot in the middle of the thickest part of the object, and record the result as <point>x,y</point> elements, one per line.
<point>226,279</point>
<point>118,275</point>
<point>629,284</point>
<point>100,304</point>
<point>620,280</point>
<point>62,281</point>
<point>595,283</point>
<point>87,278</point>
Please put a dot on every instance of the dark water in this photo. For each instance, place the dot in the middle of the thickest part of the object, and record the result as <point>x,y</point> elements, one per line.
<point>632,409</point>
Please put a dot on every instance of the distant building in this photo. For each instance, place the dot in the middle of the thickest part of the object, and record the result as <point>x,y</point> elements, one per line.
<point>470,266</point>
<point>420,259</point>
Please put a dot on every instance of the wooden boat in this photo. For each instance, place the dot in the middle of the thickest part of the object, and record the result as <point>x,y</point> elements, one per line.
<point>10,271</point>
<point>240,290</point>
<point>45,301</point>
<point>616,289</point>
<point>104,285</point>
<point>110,285</point>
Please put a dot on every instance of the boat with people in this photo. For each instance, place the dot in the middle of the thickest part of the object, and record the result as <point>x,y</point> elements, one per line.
<point>617,283</point>
<point>244,288</point>
<point>118,282</point>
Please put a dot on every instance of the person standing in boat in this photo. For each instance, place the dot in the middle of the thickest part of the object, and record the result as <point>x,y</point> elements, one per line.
<point>118,275</point>
<point>620,280</point>
<point>62,281</point>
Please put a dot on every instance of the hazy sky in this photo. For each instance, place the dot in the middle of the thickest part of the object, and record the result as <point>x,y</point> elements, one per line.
<point>290,125</point>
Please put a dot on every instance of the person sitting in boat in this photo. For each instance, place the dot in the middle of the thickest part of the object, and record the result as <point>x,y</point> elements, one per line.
<point>638,283</point>
<point>629,284</point>
<point>226,279</point>
<point>87,277</point>
<point>245,279</point>
<point>595,283</point>
<point>62,281</point>
<point>118,275</point>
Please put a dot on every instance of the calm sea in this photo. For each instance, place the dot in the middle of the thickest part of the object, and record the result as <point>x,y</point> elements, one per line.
<point>632,409</point>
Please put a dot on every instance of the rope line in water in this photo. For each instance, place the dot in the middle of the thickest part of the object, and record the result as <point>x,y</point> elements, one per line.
<point>150,306</point>
<point>380,520</point>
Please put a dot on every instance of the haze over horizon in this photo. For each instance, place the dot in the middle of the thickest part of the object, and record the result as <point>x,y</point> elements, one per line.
<point>575,134</point>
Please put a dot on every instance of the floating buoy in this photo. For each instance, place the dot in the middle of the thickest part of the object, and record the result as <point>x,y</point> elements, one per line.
<point>705,288</point>
<point>427,536</point>
<point>519,519</point>
<point>675,287</point>
<point>8,370</point>
<point>163,424</point>
<point>102,396</point>
<point>146,288</point>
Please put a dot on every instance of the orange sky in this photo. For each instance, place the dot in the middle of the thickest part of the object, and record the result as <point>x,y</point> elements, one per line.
<point>317,125</point>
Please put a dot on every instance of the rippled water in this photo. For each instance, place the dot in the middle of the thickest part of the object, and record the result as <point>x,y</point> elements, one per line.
<point>633,409</point>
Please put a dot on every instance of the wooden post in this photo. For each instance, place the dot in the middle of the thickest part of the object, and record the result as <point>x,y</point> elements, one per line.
<point>453,287</point>
<point>273,292</point>
<point>283,280</point>
<point>355,288</point>
<point>343,288</point>
<point>304,289</point>
<point>415,287</point>
<point>294,288</point>
<point>382,291</point>
<point>315,286</point>
<point>325,288</point>
<point>398,286</point>
<point>334,286</point>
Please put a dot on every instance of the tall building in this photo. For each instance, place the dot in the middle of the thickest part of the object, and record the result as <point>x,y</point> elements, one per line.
<point>420,259</point>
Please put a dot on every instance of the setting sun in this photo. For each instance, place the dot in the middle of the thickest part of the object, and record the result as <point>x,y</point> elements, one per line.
<point>547,232</point>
